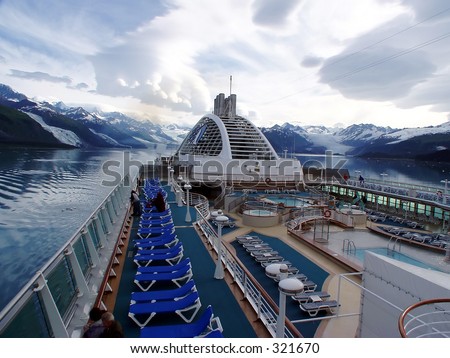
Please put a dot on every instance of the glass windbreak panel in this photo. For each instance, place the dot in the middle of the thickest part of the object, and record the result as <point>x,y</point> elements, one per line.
<point>93,234</point>
<point>82,255</point>
<point>30,322</point>
<point>438,213</point>
<point>102,222</point>
<point>62,286</point>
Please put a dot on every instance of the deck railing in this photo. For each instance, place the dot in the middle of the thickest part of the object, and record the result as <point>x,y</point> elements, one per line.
<point>426,319</point>
<point>59,295</point>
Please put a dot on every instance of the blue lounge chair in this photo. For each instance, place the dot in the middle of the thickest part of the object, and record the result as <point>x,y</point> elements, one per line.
<point>167,241</point>
<point>166,268</point>
<point>180,307</point>
<point>206,323</point>
<point>216,333</point>
<point>156,222</point>
<point>164,295</point>
<point>172,258</point>
<point>146,280</point>
<point>146,232</point>
<point>313,308</point>
<point>164,250</point>
<point>153,238</point>
<point>156,214</point>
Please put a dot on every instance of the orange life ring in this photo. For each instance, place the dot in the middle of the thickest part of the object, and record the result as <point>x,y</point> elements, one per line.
<point>268,180</point>
<point>327,213</point>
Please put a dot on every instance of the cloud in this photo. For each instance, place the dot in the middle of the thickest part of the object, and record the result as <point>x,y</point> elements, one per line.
<point>377,74</point>
<point>314,61</point>
<point>273,13</point>
<point>40,76</point>
<point>402,62</point>
<point>311,61</point>
<point>81,86</point>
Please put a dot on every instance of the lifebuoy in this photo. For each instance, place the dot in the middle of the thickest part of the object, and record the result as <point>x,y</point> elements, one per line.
<point>268,180</point>
<point>327,213</point>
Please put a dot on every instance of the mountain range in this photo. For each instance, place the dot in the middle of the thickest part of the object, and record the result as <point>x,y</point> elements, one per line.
<point>27,122</point>
<point>24,121</point>
<point>364,140</point>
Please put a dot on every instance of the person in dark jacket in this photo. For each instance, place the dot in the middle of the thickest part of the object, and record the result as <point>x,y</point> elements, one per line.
<point>113,328</point>
<point>94,327</point>
<point>134,198</point>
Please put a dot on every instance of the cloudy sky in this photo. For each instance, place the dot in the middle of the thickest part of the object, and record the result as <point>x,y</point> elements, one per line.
<point>324,62</point>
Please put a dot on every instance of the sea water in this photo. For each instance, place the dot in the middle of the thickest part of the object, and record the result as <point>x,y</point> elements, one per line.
<point>45,196</point>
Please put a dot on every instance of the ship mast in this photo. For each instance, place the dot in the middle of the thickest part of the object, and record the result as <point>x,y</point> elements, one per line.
<point>230,107</point>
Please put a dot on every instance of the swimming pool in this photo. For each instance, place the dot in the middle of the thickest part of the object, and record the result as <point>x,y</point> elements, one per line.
<point>394,255</point>
<point>289,201</point>
<point>259,218</point>
<point>260,212</point>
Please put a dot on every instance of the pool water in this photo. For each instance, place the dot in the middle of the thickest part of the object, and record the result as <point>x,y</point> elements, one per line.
<point>288,201</point>
<point>394,255</point>
<point>257,212</point>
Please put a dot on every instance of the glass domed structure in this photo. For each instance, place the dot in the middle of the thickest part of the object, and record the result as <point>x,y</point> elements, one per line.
<point>225,147</point>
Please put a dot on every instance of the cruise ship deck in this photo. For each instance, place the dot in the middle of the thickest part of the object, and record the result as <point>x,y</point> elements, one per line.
<point>216,293</point>
<point>237,317</point>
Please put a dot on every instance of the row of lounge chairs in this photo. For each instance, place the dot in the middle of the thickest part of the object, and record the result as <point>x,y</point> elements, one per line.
<point>436,240</point>
<point>376,216</point>
<point>159,259</point>
<point>310,300</point>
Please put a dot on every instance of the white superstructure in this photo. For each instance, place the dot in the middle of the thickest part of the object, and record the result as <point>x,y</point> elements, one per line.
<point>225,147</point>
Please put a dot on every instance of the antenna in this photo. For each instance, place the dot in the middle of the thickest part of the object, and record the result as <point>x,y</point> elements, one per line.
<point>230,100</point>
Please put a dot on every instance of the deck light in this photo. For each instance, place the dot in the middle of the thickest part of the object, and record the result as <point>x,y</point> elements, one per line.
<point>287,287</point>
<point>218,273</point>
<point>171,171</point>
<point>187,186</point>
<point>446,185</point>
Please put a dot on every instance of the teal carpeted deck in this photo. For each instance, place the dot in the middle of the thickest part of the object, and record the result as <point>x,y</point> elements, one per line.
<point>212,292</point>
<point>311,270</point>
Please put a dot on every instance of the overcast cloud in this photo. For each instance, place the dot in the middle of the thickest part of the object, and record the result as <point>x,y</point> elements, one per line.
<point>299,61</point>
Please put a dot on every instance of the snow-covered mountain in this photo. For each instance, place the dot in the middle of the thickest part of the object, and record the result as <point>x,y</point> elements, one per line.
<point>59,124</point>
<point>78,127</point>
<point>428,143</point>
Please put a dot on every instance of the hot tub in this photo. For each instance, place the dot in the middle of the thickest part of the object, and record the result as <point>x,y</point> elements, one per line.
<point>259,218</point>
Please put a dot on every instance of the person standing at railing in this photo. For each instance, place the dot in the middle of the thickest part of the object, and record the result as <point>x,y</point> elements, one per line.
<point>113,329</point>
<point>134,198</point>
<point>94,328</point>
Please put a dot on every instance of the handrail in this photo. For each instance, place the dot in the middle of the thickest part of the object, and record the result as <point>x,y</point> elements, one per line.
<point>111,262</point>
<point>114,198</point>
<point>402,325</point>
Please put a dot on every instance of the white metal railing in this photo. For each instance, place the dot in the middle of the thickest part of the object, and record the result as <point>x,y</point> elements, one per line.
<point>426,319</point>
<point>97,236</point>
